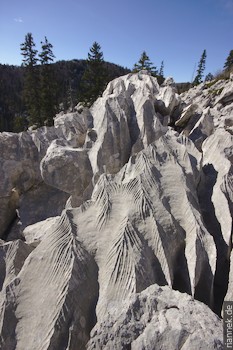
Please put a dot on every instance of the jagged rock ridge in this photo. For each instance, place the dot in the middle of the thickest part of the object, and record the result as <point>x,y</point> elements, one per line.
<point>148,206</point>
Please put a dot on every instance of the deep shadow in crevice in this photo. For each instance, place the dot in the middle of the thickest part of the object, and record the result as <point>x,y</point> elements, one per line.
<point>14,220</point>
<point>205,191</point>
<point>181,281</point>
<point>204,284</point>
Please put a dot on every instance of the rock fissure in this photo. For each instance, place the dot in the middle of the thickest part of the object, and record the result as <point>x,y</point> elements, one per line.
<point>124,222</point>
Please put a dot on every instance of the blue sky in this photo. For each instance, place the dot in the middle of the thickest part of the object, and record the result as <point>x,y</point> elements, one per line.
<point>176,32</point>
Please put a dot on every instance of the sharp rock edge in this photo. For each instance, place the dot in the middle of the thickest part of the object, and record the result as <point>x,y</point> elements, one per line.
<point>147,231</point>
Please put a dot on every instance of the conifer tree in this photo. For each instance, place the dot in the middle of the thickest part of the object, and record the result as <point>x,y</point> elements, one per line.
<point>160,76</point>
<point>47,84</point>
<point>31,81</point>
<point>95,76</point>
<point>145,63</point>
<point>229,61</point>
<point>161,71</point>
<point>209,77</point>
<point>200,69</point>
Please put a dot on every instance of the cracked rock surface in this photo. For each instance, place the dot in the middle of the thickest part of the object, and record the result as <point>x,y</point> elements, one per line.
<point>116,223</point>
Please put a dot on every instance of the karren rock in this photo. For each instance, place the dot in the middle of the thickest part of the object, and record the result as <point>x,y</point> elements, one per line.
<point>116,223</point>
<point>158,318</point>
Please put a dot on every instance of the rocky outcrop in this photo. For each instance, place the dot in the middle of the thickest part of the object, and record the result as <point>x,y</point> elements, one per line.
<point>23,193</point>
<point>161,316</point>
<point>146,234</point>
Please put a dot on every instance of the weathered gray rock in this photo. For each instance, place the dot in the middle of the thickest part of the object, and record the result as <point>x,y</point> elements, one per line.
<point>66,168</point>
<point>50,304</point>
<point>124,121</point>
<point>73,127</point>
<point>199,127</point>
<point>187,113</point>
<point>169,95</point>
<point>226,95</point>
<point>216,96</point>
<point>148,207</point>
<point>19,171</point>
<point>158,318</point>
<point>21,182</point>
<point>134,229</point>
<point>12,258</point>
<point>34,233</point>
<point>215,198</point>
<point>218,151</point>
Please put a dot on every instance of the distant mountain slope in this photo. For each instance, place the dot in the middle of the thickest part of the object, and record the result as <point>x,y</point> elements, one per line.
<point>68,74</point>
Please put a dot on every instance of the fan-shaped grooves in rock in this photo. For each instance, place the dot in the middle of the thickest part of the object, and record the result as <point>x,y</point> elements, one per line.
<point>101,196</point>
<point>169,235</point>
<point>122,259</point>
<point>61,299</point>
<point>155,208</point>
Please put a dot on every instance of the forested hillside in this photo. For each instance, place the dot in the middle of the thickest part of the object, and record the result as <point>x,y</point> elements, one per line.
<point>68,75</point>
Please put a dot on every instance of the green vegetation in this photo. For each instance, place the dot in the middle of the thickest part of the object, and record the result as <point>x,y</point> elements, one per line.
<point>145,63</point>
<point>48,85</point>
<point>209,77</point>
<point>39,90</point>
<point>229,61</point>
<point>209,84</point>
<point>216,92</point>
<point>200,69</point>
<point>94,79</point>
<point>33,93</point>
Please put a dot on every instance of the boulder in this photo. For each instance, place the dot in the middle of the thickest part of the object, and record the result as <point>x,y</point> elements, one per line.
<point>198,129</point>
<point>19,171</point>
<point>186,114</point>
<point>226,96</point>
<point>161,316</point>
<point>171,99</point>
<point>65,168</point>
<point>73,127</point>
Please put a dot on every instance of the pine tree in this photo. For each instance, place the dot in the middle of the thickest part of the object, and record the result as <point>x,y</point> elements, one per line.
<point>229,61</point>
<point>160,76</point>
<point>31,85</point>
<point>200,69</point>
<point>95,76</point>
<point>209,77</point>
<point>161,73</point>
<point>47,84</point>
<point>145,63</point>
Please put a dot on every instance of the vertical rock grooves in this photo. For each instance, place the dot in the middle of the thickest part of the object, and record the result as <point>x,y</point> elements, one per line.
<point>55,310</point>
<point>145,235</point>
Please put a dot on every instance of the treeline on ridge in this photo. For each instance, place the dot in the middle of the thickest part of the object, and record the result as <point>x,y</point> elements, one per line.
<point>31,94</point>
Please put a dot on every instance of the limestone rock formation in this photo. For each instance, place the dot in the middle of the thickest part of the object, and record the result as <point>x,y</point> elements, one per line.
<point>141,251</point>
<point>158,318</point>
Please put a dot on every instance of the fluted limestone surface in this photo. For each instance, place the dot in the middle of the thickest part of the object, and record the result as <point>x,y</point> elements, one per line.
<point>146,233</point>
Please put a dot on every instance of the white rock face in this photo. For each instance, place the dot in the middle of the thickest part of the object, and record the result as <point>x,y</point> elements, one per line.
<point>159,317</point>
<point>66,168</point>
<point>146,234</point>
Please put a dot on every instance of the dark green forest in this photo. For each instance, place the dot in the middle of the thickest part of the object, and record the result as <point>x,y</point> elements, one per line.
<point>68,76</point>
<point>33,93</point>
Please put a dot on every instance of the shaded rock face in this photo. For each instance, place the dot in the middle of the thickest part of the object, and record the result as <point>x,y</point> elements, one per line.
<point>160,318</point>
<point>142,250</point>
